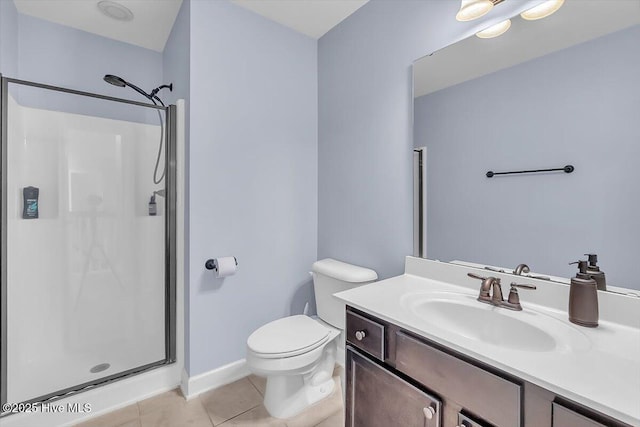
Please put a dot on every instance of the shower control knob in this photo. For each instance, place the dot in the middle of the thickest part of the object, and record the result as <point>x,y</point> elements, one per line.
<point>360,335</point>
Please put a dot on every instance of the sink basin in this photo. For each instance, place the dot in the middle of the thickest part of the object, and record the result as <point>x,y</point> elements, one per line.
<point>463,315</point>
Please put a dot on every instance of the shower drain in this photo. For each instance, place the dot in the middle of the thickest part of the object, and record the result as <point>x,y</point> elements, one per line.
<point>99,368</point>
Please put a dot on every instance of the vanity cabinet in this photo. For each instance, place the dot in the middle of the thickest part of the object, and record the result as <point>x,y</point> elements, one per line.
<point>380,398</point>
<point>396,378</point>
<point>565,417</point>
<point>367,333</point>
<point>493,398</point>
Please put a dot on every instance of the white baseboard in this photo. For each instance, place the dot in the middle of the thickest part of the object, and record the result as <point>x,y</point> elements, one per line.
<point>193,386</point>
<point>184,384</point>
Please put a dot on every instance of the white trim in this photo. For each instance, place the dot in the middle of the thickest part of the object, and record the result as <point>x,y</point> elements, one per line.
<point>184,384</point>
<point>215,378</point>
<point>181,135</point>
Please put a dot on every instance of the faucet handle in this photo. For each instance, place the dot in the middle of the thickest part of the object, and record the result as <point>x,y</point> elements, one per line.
<point>476,276</point>
<point>516,285</point>
<point>485,287</point>
<point>534,276</point>
<point>513,302</point>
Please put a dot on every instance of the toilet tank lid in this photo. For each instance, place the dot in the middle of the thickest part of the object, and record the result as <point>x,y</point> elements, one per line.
<point>343,271</point>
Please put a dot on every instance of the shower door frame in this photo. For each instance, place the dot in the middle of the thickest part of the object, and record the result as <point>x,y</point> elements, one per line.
<point>170,240</point>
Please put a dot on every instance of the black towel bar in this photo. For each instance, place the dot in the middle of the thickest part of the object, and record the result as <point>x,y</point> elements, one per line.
<point>566,169</point>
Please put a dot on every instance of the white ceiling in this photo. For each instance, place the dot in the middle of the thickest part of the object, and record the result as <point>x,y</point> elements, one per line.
<point>311,17</point>
<point>576,22</point>
<point>150,27</point>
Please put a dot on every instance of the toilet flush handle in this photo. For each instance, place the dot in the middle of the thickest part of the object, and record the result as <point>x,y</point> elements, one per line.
<point>360,335</point>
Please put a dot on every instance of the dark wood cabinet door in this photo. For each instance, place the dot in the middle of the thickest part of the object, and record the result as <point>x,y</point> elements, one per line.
<point>378,398</point>
<point>489,396</point>
<point>565,417</point>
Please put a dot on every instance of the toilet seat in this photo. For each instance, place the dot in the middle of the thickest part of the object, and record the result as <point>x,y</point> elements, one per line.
<point>287,337</point>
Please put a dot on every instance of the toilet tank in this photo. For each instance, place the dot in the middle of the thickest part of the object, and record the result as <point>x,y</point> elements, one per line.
<point>331,276</point>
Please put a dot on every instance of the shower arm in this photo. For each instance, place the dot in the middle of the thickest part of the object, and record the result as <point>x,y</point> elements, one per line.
<point>140,91</point>
<point>156,90</point>
<point>153,95</point>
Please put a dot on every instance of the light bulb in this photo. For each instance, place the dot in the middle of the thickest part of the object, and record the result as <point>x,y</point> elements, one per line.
<point>473,9</point>
<point>542,10</point>
<point>495,30</point>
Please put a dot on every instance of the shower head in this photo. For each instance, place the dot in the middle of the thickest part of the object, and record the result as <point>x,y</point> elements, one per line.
<point>153,97</point>
<point>120,82</point>
<point>115,80</point>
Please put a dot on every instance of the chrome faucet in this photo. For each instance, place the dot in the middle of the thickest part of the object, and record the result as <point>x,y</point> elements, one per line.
<point>521,268</point>
<point>491,292</point>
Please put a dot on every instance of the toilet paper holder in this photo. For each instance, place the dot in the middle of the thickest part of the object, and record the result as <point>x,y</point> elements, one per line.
<point>211,264</point>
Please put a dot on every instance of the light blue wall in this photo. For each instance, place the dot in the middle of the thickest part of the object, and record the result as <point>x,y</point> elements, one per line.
<point>8,39</point>
<point>176,62</point>
<point>176,56</point>
<point>64,56</point>
<point>253,176</point>
<point>58,55</point>
<point>365,133</point>
<point>577,106</point>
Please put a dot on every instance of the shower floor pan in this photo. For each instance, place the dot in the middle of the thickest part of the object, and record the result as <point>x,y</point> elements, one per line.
<point>31,378</point>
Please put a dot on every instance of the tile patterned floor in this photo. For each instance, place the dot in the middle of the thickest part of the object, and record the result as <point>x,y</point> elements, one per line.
<point>238,404</point>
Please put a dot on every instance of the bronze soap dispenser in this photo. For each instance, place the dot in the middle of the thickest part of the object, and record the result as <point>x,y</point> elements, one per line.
<point>595,272</point>
<point>583,298</point>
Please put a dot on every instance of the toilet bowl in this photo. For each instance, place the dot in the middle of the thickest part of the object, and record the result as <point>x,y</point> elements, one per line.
<point>297,354</point>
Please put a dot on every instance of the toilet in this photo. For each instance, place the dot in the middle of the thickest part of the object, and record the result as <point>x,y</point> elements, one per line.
<point>297,354</point>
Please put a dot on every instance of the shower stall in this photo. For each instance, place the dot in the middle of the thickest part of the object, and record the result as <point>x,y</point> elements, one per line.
<point>87,240</point>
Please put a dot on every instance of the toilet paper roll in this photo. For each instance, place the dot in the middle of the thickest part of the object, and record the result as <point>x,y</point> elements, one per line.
<point>226,266</point>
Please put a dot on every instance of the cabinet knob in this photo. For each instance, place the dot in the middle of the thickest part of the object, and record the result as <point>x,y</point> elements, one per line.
<point>429,412</point>
<point>360,335</point>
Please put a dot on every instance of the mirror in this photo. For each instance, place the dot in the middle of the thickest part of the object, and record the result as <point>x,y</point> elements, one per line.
<point>563,90</point>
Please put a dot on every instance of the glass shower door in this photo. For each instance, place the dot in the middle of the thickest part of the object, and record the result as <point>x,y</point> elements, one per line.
<point>85,250</point>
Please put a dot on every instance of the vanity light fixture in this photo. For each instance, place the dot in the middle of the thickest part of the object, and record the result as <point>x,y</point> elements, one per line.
<point>473,9</point>
<point>495,30</point>
<point>542,10</point>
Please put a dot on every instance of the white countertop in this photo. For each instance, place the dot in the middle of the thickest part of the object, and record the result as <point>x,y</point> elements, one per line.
<point>604,376</point>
